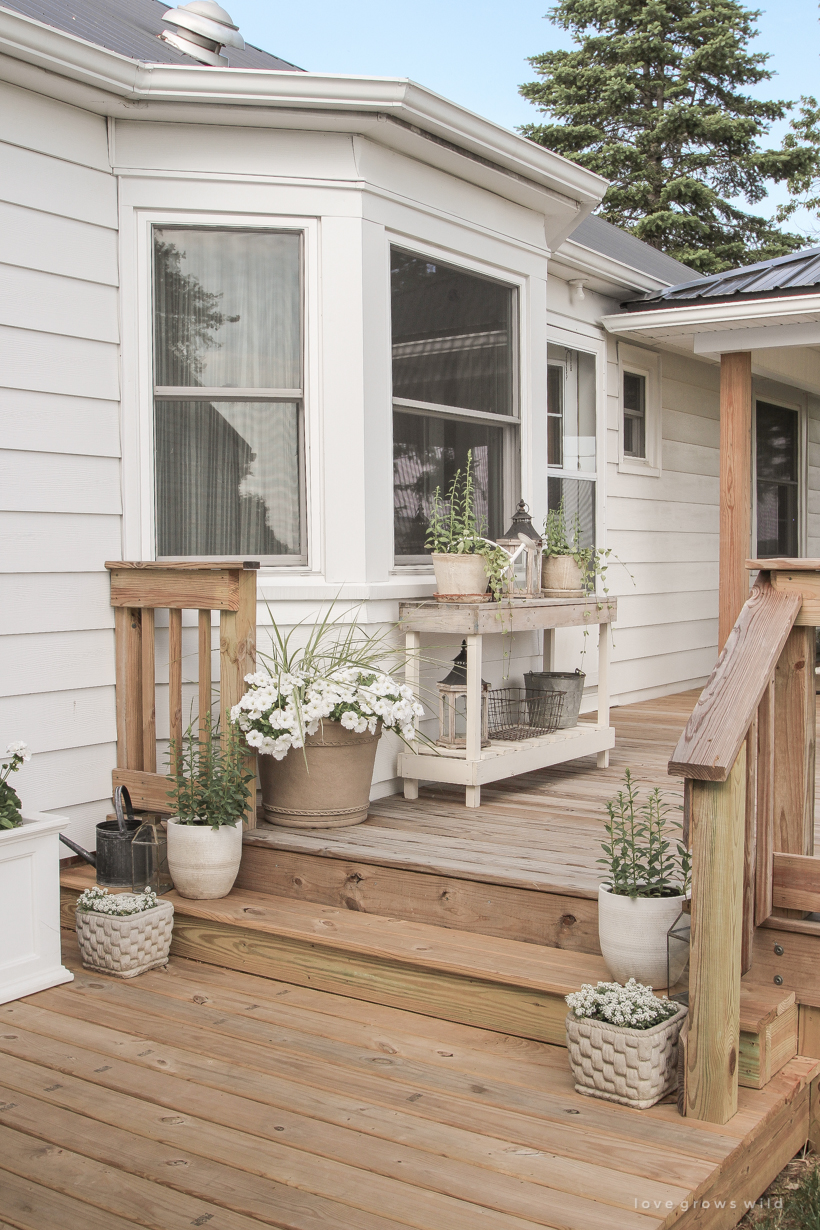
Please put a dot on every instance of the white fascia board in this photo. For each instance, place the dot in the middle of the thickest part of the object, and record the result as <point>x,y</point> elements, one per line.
<point>723,341</point>
<point>603,269</point>
<point>135,89</point>
<point>672,322</point>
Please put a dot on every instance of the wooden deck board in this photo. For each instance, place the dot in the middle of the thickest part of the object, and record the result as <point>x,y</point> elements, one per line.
<point>201,1096</point>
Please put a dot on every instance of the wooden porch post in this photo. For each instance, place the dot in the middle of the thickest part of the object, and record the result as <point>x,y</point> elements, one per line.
<point>735,486</point>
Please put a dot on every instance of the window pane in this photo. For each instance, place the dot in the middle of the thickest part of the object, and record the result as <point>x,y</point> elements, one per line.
<point>227,309</point>
<point>577,375</point>
<point>776,519</point>
<point>227,478</point>
<point>578,495</point>
<point>452,336</point>
<point>555,415</point>
<point>776,442</point>
<point>634,393</point>
<point>427,451</point>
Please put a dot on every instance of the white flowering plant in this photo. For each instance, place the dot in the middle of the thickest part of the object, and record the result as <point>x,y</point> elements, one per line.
<point>10,814</point>
<point>634,1005</point>
<point>99,901</point>
<point>337,676</point>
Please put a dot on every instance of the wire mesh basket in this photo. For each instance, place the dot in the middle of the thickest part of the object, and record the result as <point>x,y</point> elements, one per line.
<point>514,715</point>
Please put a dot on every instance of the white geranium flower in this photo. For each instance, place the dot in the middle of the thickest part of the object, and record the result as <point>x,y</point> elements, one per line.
<point>19,749</point>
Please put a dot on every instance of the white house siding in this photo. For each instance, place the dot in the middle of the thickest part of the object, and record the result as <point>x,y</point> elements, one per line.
<point>59,457</point>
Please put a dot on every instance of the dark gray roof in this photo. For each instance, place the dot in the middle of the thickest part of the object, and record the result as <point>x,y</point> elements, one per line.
<point>611,241</point>
<point>131,28</point>
<point>795,274</point>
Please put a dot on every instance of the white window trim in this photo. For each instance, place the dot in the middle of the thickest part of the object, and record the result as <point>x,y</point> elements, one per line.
<point>514,478</point>
<point>137,412</point>
<point>595,346</point>
<point>801,408</point>
<point>646,363</point>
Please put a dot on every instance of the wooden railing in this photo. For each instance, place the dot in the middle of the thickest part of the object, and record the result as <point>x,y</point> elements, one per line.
<point>137,591</point>
<point>747,755</point>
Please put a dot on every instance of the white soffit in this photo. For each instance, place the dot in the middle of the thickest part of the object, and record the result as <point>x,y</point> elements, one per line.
<point>716,328</point>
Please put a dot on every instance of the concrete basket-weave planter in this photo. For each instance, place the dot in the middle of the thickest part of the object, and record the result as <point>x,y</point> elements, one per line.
<point>636,1067</point>
<point>128,944</point>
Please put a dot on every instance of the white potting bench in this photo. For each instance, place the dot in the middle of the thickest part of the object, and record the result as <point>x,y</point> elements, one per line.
<point>472,766</point>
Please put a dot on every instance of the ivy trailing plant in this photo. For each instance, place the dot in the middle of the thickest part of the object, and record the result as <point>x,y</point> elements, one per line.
<point>209,777</point>
<point>562,539</point>
<point>10,806</point>
<point>454,528</point>
<point>642,857</point>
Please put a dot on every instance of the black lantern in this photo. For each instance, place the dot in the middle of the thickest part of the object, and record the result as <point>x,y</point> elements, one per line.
<point>452,705</point>
<point>523,544</point>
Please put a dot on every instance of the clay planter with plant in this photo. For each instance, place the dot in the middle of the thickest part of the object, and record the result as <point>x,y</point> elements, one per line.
<point>465,561</point>
<point>315,716</point>
<point>209,789</point>
<point>648,874</point>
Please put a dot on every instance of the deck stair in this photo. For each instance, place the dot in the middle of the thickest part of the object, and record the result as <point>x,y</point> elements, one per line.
<point>505,985</point>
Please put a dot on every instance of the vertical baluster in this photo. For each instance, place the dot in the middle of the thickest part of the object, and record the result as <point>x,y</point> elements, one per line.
<point>204,668</point>
<point>129,685</point>
<point>765,805</point>
<point>175,679</point>
<point>149,723</point>
<point>749,850</point>
<point>237,658</point>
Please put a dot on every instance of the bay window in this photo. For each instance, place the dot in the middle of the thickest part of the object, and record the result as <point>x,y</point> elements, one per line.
<point>455,390</point>
<point>228,409</point>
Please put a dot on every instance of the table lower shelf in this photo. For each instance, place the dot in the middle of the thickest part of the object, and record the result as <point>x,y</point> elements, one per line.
<point>502,759</point>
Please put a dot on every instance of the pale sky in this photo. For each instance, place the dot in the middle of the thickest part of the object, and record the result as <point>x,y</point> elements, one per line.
<point>476,53</point>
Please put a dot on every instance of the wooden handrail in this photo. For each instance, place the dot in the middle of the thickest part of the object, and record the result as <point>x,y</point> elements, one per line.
<point>714,734</point>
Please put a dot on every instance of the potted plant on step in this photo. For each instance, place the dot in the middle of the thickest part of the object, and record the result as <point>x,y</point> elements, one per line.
<point>30,958</point>
<point>623,1043</point>
<point>648,875</point>
<point>315,717</point>
<point>209,788</point>
<point>464,560</point>
<point>123,934</point>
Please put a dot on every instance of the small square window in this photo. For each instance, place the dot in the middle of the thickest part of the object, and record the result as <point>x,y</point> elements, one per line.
<point>634,403</point>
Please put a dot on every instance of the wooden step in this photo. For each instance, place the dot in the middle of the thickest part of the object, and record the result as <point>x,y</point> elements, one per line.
<point>504,985</point>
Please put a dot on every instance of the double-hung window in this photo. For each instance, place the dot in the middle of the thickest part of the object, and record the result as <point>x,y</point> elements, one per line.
<point>571,465</point>
<point>228,389</point>
<point>455,391</point>
<point>777,460</point>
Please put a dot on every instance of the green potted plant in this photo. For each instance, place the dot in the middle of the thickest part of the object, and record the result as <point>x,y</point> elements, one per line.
<point>123,934</point>
<point>465,561</point>
<point>623,1043</point>
<point>315,716</point>
<point>648,876</point>
<point>209,788</point>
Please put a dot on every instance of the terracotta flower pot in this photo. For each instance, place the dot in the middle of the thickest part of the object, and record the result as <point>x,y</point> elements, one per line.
<point>632,932</point>
<point>332,790</point>
<point>204,862</point>
<point>460,574</point>
<point>561,572</point>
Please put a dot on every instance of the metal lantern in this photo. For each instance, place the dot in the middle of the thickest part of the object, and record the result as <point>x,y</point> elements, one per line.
<point>524,546</point>
<point>452,705</point>
<point>149,858</point>
<point>678,940</point>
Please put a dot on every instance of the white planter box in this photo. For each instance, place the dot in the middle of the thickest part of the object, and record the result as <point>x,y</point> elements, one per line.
<point>30,958</point>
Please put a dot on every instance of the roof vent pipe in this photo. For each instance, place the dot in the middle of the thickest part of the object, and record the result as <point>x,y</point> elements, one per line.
<point>204,28</point>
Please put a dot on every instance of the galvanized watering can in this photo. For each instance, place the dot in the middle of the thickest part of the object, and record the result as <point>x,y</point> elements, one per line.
<point>113,855</point>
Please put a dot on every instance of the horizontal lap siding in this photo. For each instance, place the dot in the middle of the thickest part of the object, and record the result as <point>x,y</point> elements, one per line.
<point>813,501</point>
<point>665,531</point>
<point>60,485</point>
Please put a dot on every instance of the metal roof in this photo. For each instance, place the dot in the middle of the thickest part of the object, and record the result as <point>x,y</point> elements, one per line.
<point>131,28</point>
<point>619,245</point>
<point>795,274</point>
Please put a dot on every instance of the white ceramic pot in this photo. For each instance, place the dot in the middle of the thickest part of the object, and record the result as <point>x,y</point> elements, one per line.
<point>632,932</point>
<point>203,862</point>
<point>460,574</point>
<point>561,572</point>
<point>30,958</point>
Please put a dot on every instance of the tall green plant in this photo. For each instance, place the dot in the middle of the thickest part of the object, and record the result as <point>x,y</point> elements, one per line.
<point>209,778</point>
<point>454,528</point>
<point>642,859</point>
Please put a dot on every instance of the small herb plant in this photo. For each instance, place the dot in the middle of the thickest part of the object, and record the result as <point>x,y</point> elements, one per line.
<point>560,538</point>
<point>209,779</point>
<point>454,528</point>
<point>10,805</point>
<point>633,1005</point>
<point>100,901</point>
<point>642,859</point>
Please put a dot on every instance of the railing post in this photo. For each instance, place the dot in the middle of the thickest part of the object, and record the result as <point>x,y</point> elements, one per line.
<point>237,658</point>
<point>717,825</point>
<point>794,745</point>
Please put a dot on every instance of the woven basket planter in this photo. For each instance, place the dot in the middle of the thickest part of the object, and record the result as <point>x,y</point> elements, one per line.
<point>636,1067</point>
<point>128,944</point>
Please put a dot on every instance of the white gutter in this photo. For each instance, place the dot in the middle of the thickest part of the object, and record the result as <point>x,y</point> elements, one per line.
<point>125,86</point>
<point>712,317</point>
<point>600,267</point>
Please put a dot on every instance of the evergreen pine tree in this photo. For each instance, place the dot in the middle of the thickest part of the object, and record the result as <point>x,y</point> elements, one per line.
<point>653,99</point>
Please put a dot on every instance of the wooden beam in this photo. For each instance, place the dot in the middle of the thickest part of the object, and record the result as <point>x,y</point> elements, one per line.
<point>764,844</point>
<point>796,882</point>
<point>237,658</point>
<point>720,720</point>
<point>132,689</point>
<point>205,694</point>
<point>148,673</point>
<point>750,849</point>
<point>718,823</point>
<point>175,680</point>
<point>184,591</point>
<point>735,486</point>
<point>794,745</point>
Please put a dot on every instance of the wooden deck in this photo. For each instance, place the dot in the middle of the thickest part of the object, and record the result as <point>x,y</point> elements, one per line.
<point>202,1096</point>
